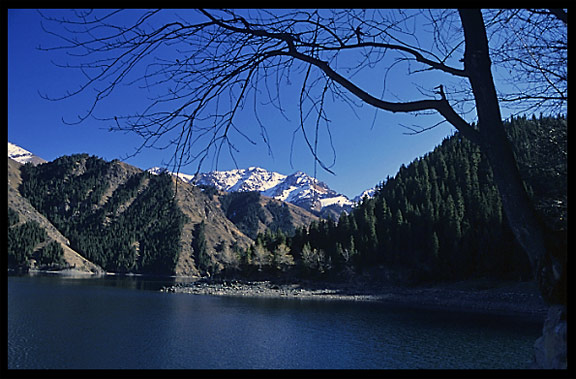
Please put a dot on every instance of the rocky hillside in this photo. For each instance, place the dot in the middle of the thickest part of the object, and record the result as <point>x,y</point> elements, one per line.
<point>115,217</point>
<point>26,213</point>
<point>253,213</point>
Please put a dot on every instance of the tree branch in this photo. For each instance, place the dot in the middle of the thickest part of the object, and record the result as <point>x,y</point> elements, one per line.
<point>560,14</point>
<point>417,55</point>
<point>442,106</point>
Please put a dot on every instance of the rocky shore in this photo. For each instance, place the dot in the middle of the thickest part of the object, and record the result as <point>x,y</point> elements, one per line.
<point>474,296</point>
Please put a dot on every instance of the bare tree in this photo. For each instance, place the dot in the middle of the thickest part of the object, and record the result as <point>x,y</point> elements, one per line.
<point>207,70</point>
<point>532,56</point>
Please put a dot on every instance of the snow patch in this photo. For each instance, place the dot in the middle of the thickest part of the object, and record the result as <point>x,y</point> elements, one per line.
<point>23,156</point>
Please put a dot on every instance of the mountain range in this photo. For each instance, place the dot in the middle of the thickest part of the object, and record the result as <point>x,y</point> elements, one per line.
<point>439,217</point>
<point>113,217</point>
<point>298,188</point>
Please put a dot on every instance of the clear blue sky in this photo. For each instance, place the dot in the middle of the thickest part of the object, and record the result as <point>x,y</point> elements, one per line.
<point>365,153</point>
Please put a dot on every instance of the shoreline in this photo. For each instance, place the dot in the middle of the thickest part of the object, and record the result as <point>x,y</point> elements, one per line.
<point>473,295</point>
<point>520,298</point>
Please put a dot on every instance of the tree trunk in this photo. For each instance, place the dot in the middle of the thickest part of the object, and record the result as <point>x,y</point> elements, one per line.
<point>549,270</point>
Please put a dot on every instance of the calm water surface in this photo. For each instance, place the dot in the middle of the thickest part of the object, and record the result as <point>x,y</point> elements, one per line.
<point>58,322</point>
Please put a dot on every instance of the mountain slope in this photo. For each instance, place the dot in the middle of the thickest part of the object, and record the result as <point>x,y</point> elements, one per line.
<point>254,213</point>
<point>27,213</point>
<point>128,220</point>
<point>220,233</point>
<point>123,218</point>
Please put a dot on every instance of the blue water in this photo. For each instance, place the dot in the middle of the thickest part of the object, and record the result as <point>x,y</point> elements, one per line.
<point>57,322</point>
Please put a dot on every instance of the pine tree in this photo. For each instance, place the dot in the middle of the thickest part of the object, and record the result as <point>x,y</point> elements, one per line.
<point>203,258</point>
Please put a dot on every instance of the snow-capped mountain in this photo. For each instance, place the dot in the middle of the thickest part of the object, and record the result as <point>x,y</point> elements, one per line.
<point>366,193</point>
<point>242,180</point>
<point>23,156</point>
<point>298,188</point>
<point>307,192</point>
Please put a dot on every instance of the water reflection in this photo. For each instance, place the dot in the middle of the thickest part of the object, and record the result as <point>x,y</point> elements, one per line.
<point>130,281</point>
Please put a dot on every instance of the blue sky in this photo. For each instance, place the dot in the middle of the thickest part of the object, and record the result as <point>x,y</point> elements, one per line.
<point>366,152</point>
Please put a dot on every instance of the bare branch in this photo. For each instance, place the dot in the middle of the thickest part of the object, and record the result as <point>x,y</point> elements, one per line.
<point>561,14</point>
<point>442,106</point>
<point>200,74</point>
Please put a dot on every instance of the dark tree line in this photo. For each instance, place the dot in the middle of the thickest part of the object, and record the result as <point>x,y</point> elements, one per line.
<point>441,216</point>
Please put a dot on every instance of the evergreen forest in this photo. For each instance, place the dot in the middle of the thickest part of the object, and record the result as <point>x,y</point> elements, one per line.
<point>128,233</point>
<point>438,218</point>
<point>26,243</point>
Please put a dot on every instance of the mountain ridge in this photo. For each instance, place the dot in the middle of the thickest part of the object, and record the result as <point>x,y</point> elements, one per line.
<point>297,188</point>
<point>26,213</point>
<point>117,217</point>
<point>114,217</point>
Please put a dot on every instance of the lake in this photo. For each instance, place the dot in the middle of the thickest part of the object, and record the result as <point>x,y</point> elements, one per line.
<point>57,322</point>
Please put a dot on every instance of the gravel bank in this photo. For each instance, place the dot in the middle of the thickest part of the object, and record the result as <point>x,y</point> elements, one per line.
<point>474,296</point>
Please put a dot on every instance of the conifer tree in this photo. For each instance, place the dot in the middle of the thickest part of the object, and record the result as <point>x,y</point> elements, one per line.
<point>200,248</point>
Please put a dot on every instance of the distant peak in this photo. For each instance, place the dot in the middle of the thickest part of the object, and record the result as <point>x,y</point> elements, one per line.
<point>157,170</point>
<point>298,188</point>
<point>22,155</point>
